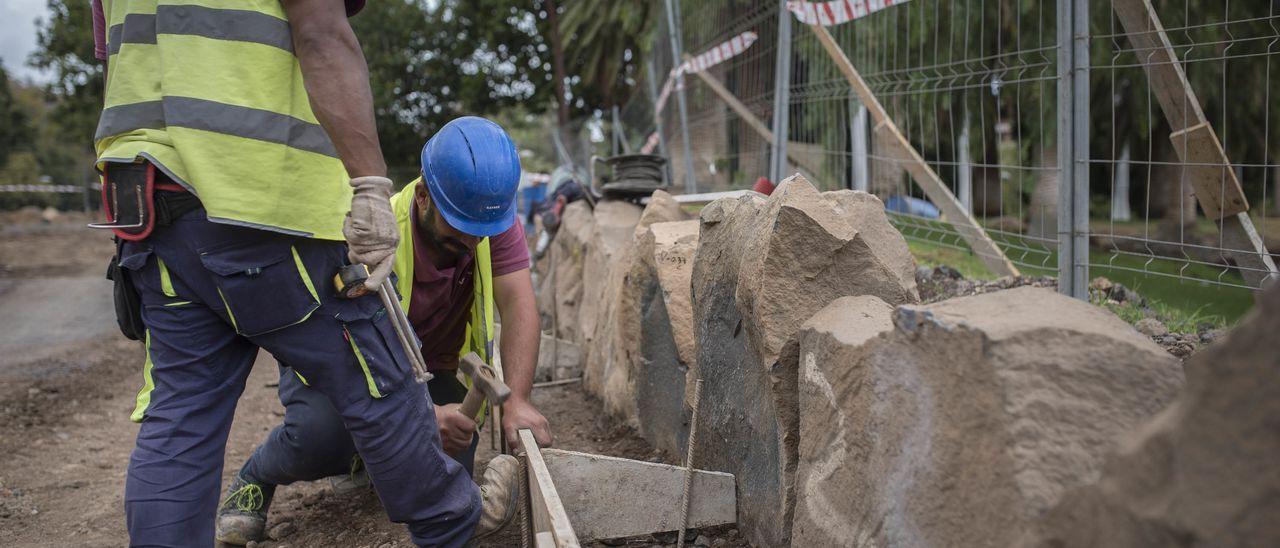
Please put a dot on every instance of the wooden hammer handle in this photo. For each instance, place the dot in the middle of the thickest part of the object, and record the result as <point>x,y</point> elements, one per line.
<point>472,403</point>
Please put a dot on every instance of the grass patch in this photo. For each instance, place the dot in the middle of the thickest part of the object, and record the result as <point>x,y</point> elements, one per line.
<point>1175,301</point>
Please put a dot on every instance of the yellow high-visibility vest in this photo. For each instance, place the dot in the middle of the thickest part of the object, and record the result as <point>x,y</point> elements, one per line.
<point>479,338</point>
<point>211,93</point>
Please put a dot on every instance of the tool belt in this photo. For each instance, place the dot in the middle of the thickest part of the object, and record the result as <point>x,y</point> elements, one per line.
<point>136,198</point>
<point>134,208</point>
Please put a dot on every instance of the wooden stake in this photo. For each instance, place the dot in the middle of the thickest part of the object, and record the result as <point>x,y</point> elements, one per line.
<point>551,527</point>
<point>1207,167</point>
<point>921,173</point>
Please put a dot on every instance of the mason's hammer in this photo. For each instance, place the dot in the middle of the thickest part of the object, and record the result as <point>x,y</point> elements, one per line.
<point>484,385</point>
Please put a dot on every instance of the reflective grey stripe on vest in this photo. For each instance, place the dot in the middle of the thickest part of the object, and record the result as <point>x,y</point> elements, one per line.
<point>238,121</point>
<point>138,28</point>
<point>219,24</point>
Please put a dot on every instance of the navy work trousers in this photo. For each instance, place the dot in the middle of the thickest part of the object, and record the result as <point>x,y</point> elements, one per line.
<point>312,443</point>
<point>212,295</point>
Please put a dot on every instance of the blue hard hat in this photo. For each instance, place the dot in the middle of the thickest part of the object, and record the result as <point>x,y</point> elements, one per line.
<point>472,171</point>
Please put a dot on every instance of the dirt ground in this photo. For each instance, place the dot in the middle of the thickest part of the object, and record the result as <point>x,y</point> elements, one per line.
<point>67,387</point>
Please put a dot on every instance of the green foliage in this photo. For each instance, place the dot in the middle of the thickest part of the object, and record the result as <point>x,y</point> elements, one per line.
<point>64,47</point>
<point>605,44</point>
<point>15,127</point>
<point>431,62</point>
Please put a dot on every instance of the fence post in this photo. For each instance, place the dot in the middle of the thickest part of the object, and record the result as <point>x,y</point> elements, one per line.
<point>677,57</point>
<point>781,98</point>
<point>858,132</point>
<point>1073,148</point>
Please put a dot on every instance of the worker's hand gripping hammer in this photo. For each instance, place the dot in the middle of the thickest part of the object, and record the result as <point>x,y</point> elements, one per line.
<point>484,384</point>
<point>350,284</point>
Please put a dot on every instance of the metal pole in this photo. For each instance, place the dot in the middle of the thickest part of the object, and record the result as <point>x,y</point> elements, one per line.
<point>964,169</point>
<point>781,97</point>
<point>657,123</point>
<point>677,56</point>
<point>1073,148</point>
<point>859,131</point>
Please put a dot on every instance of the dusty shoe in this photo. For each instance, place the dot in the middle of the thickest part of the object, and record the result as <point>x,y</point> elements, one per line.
<point>242,517</point>
<point>357,479</point>
<point>499,491</point>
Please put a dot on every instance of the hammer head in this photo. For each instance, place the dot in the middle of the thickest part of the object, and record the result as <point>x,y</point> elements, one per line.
<point>484,379</point>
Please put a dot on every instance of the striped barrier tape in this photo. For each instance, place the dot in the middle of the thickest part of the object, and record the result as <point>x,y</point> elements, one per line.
<point>720,53</point>
<point>837,11</point>
<point>62,189</point>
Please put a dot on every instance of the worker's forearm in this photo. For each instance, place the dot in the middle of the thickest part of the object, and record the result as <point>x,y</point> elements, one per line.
<point>520,338</point>
<point>337,80</point>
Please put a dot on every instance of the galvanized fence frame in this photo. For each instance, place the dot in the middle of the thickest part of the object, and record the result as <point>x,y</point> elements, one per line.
<point>961,79</point>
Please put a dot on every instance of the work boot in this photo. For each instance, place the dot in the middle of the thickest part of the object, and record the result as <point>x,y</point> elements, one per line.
<point>242,516</point>
<point>357,479</point>
<point>499,494</point>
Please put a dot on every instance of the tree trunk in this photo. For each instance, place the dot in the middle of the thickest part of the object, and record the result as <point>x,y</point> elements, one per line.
<point>557,63</point>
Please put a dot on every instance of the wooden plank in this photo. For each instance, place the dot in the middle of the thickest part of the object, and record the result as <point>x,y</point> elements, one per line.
<point>591,484</point>
<point>1209,171</point>
<point>547,512</point>
<point>753,122</point>
<point>920,172</point>
<point>1195,142</point>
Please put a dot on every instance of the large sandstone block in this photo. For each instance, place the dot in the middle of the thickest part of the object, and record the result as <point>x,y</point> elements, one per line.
<point>967,420</point>
<point>1203,472</point>
<point>654,338</point>
<point>762,268</point>
<point>560,294</point>
<point>618,224</point>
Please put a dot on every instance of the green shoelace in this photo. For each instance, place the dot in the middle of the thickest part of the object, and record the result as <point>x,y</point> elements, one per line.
<point>247,498</point>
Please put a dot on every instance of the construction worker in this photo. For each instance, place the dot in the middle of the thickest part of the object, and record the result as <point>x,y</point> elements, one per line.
<point>461,255</point>
<point>238,151</point>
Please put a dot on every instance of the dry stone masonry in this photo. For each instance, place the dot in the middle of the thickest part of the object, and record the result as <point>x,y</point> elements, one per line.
<point>851,415</point>
<point>763,267</point>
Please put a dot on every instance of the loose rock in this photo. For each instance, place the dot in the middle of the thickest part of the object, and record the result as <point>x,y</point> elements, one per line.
<point>965,421</point>
<point>1202,472</point>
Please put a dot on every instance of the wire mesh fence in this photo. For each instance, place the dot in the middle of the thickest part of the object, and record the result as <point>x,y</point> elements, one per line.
<point>1080,135</point>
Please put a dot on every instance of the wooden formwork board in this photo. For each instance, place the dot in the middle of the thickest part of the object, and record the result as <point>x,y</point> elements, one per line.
<point>550,523</point>
<point>576,496</point>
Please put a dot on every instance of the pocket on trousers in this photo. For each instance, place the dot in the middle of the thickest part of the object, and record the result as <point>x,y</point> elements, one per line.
<point>264,285</point>
<point>377,350</point>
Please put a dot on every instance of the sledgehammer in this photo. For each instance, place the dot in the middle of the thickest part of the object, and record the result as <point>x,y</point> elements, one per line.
<point>484,384</point>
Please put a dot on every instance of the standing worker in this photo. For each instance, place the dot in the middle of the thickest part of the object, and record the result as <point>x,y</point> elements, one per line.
<point>227,142</point>
<point>462,254</point>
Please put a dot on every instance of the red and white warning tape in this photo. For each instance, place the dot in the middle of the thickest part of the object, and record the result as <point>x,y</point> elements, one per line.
<point>62,189</point>
<point>650,144</point>
<point>720,53</point>
<point>837,11</point>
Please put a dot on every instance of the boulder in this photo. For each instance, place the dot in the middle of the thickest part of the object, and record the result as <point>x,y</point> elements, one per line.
<point>967,420</point>
<point>762,268</point>
<point>654,338</point>
<point>613,330</point>
<point>1201,473</point>
<point>560,294</point>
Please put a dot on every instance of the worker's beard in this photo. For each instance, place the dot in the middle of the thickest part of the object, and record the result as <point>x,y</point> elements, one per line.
<point>449,250</point>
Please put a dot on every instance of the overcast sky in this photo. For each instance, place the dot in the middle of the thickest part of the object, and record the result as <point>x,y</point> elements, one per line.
<point>19,36</point>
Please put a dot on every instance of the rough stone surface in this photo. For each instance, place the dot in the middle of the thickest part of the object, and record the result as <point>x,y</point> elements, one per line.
<point>560,294</point>
<point>968,420</point>
<point>762,268</point>
<point>1201,473</point>
<point>610,297</point>
<point>658,334</point>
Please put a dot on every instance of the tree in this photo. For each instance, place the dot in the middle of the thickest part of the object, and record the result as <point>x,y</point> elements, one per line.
<point>64,46</point>
<point>15,127</point>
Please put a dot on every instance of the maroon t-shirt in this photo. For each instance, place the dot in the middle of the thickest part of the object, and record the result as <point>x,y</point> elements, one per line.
<point>440,304</point>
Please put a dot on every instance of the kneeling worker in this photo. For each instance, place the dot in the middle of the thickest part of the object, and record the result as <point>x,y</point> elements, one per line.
<point>460,254</point>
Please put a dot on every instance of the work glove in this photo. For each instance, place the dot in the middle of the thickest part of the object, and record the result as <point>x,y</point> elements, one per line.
<point>370,229</point>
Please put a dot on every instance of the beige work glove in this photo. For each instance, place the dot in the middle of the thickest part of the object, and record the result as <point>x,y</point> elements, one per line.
<point>370,228</point>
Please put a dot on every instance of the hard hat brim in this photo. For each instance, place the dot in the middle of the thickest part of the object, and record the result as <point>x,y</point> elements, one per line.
<point>471,227</point>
